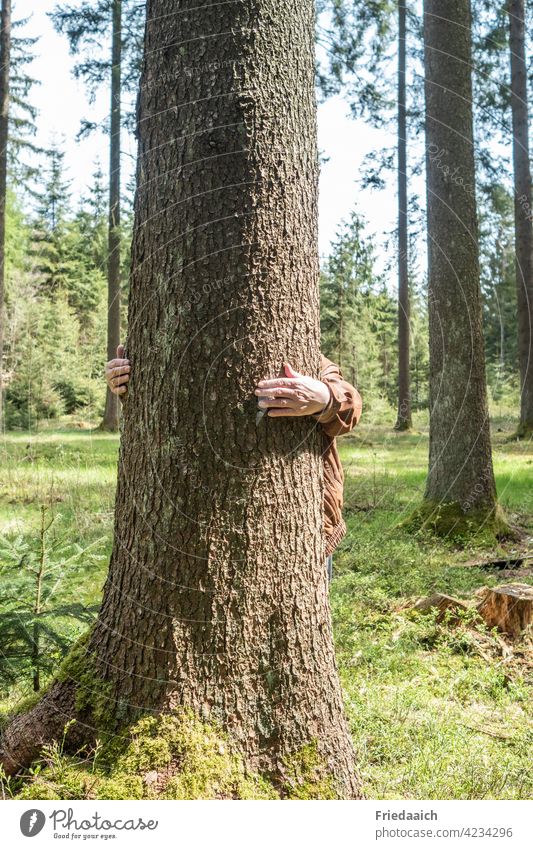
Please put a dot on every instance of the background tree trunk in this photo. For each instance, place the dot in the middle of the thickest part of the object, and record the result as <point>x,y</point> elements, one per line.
<point>460,462</point>
<point>5,66</point>
<point>523,211</point>
<point>111,414</point>
<point>403,421</point>
<point>217,594</point>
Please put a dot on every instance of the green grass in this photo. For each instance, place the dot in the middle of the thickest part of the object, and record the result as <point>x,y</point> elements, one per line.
<point>435,709</point>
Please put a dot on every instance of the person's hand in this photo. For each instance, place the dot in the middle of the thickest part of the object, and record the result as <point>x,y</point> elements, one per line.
<point>117,373</point>
<point>292,395</point>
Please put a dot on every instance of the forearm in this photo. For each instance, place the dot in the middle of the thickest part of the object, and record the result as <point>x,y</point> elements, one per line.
<point>343,411</point>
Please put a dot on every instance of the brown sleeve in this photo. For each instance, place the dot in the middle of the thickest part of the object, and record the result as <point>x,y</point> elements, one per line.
<point>343,411</point>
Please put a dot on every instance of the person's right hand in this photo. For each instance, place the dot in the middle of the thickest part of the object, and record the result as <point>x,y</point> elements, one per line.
<point>117,373</point>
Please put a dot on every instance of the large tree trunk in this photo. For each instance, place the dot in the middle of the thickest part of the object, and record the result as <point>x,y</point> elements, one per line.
<point>523,210</point>
<point>111,413</point>
<point>217,593</point>
<point>5,65</point>
<point>460,462</point>
<point>403,421</point>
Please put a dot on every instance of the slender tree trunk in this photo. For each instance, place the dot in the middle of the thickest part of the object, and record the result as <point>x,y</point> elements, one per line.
<point>460,463</point>
<point>217,594</point>
<point>523,210</point>
<point>36,635</point>
<point>5,65</point>
<point>111,414</point>
<point>500,246</point>
<point>404,420</point>
<point>36,656</point>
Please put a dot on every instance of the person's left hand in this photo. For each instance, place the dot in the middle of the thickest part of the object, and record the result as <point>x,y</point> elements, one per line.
<point>292,395</point>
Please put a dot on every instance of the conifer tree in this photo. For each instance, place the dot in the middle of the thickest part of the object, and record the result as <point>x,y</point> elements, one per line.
<point>87,26</point>
<point>5,67</point>
<point>359,37</point>
<point>223,611</point>
<point>523,209</point>
<point>461,490</point>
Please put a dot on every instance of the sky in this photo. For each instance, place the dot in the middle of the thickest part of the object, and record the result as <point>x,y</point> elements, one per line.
<point>62,104</point>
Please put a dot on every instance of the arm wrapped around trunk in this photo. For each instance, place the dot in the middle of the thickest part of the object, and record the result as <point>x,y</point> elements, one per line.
<point>345,405</point>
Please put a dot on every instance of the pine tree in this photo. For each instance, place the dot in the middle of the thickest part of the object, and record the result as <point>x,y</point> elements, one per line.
<point>498,284</point>
<point>358,322</point>
<point>502,95</point>
<point>24,154</point>
<point>52,254</point>
<point>404,419</point>
<point>66,295</point>
<point>5,66</point>
<point>31,394</point>
<point>86,26</point>
<point>217,599</point>
<point>348,271</point>
<point>92,221</point>
<point>359,37</point>
<point>69,247</point>
<point>461,491</point>
<point>523,206</point>
<point>33,627</point>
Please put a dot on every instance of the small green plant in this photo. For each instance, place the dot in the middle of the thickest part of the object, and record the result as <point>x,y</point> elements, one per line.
<point>35,632</point>
<point>6,785</point>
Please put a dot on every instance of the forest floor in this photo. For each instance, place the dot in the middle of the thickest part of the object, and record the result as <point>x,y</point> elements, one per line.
<point>440,710</point>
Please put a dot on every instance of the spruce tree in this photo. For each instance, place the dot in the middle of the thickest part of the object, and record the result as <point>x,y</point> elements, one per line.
<point>404,418</point>
<point>86,26</point>
<point>355,331</point>
<point>5,66</point>
<point>217,598</point>
<point>523,209</point>
<point>460,491</point>
<point>502,99</point>
<point>360,37</point>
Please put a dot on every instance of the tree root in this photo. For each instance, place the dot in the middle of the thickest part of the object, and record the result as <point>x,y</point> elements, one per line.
<point>27,733</point>
<point>523,432</point>
<point>450,520</point>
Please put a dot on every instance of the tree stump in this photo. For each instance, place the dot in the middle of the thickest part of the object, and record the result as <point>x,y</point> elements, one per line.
<point>442,602</point>
<point>509,608</point>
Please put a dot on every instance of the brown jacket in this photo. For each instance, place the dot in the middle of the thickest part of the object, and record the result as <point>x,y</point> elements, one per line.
<point>340,416</point>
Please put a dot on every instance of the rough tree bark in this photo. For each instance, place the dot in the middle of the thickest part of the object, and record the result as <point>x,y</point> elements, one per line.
<point>523,211</point>
<point>404,420</point>
<point>110,421</point>
<point>461,479</point>
<point>217,597</point>
<point>5,65</point>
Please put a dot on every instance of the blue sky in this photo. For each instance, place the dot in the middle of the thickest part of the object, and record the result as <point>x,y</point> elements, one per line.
<point>62,104</point>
